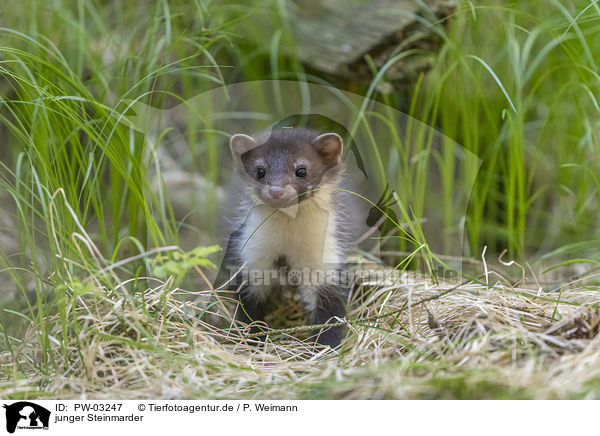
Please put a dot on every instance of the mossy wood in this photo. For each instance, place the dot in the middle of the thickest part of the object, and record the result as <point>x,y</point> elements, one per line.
<point>336,36</point>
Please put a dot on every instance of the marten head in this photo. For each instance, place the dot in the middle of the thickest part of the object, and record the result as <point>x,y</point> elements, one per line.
<point>287,165</point>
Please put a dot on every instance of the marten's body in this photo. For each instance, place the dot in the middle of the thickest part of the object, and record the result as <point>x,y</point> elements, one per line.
<point>288,234</point>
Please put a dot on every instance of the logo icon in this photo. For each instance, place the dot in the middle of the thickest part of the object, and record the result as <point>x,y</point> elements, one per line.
<point>26,415</point>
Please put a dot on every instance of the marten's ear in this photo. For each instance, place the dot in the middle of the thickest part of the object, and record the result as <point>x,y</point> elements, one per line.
<point>330,147</point>
<point>240,144</point>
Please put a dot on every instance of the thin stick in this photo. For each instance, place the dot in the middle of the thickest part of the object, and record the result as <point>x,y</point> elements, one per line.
<point>354,322</point>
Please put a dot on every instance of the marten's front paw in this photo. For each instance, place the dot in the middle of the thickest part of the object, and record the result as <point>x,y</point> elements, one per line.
<point>331,336</point>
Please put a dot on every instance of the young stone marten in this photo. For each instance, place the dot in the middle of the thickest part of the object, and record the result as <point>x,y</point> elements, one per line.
<point>289,235</point>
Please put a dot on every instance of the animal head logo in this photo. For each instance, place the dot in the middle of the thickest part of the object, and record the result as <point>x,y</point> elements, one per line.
<point>24,414</point>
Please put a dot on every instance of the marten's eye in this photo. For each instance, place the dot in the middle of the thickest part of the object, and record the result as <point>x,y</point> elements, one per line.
<point>260,173</point>
<point>301,172</point>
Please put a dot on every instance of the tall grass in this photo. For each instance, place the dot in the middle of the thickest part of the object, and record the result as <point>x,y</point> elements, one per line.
<point>70,165</point>
<point>517,85</point>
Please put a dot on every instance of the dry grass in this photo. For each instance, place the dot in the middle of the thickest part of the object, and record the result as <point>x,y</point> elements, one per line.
<point>442,341</point>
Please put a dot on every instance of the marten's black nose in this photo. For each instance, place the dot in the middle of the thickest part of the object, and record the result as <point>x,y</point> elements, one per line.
<point>276,191</point>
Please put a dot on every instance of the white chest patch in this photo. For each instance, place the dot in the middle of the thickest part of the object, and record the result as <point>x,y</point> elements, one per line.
<point>304,235</point>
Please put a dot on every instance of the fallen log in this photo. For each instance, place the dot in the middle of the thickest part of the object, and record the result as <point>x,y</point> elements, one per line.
<point>346,39</point>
